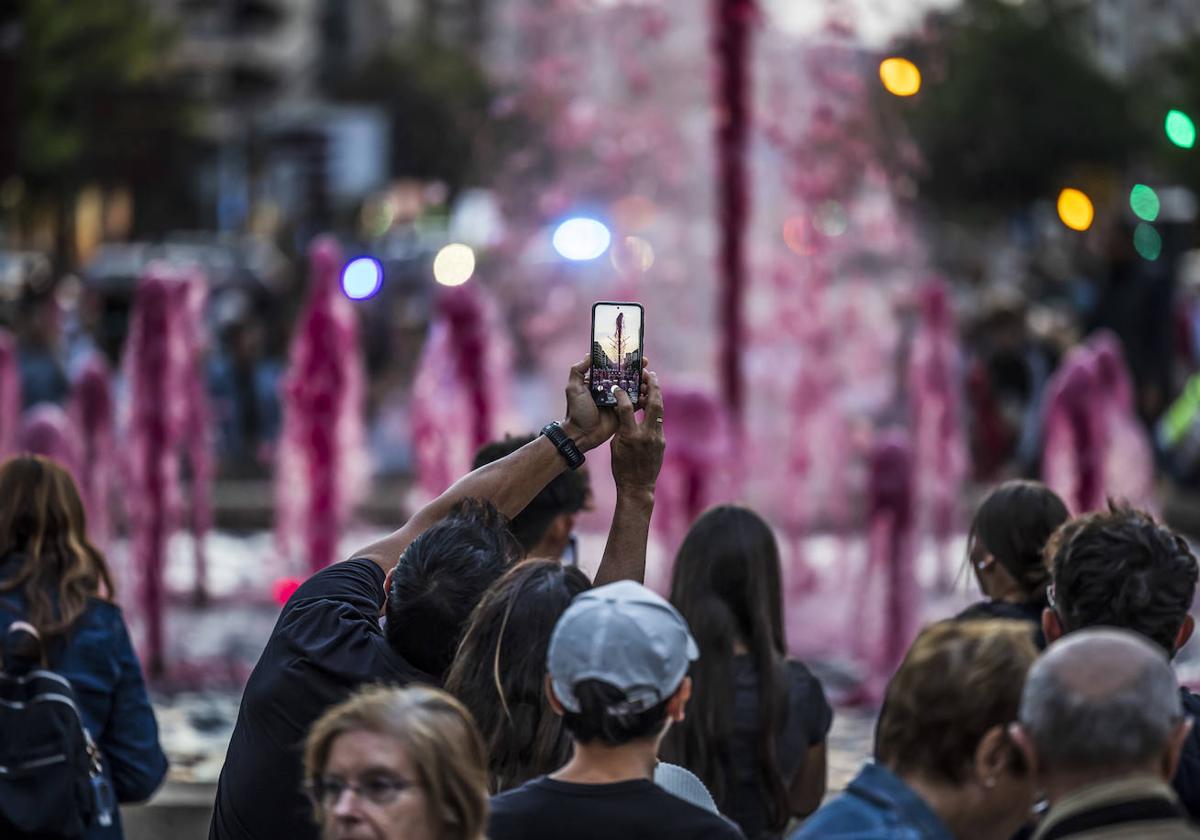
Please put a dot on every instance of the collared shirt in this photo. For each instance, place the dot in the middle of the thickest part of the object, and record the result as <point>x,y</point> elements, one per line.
<point>877,805</point>
<point>1138,806</point>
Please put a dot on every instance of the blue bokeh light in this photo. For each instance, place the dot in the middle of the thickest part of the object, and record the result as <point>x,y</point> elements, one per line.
<point>581,238</point>
<point>362,278</point>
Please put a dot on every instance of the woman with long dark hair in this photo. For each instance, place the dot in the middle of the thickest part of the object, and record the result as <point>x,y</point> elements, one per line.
<point>1004,547</point>
<point>755,730</point>
<point>500,670</point>
<point>52,577</point>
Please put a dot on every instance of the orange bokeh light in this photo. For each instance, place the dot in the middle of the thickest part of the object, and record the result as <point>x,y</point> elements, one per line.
<point>900,76</point>
<point>1075,209</point>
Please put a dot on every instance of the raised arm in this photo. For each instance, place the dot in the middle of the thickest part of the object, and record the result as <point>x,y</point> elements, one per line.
<point>637,455</point>
<point>512,482</point>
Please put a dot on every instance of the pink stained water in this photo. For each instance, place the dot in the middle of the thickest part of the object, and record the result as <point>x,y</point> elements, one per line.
<point>46,430</point>
<point>91,411</point>
<point>10,395</point>
<point>462,387</point>
<point>321,468</point>
<point>1075,434</point>
<point>153,361</point>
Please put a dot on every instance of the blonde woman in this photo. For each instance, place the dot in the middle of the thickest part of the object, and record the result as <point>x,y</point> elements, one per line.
<point>397,764</point>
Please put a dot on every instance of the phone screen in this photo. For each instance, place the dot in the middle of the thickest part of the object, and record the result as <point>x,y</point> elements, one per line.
<point>616,350</point>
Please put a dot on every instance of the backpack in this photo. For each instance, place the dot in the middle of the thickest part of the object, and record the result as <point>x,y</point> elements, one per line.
<point>51,783</point>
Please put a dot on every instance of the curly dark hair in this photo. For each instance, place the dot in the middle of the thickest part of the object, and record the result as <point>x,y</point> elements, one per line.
<point>440,578</point>
<point>1121,568</point>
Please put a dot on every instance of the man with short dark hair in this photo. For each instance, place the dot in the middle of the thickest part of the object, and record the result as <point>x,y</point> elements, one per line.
<point>425,579</point>
<point>1102,727</point>
<point>545,527</point>
<point>1121,568</point>
<point>618,664</point>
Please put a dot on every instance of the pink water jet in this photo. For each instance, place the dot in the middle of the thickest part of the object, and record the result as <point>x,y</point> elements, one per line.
<point>91,412</point>
<point>935,400</point>
<point>696,470</point>
<point>1075,435</point>
<point>463,374</point>
<point>10,395</point>
<point>1129,455</point>
<point>152,362</point>
<point>47,431</point>
<point>885,632</point>
<point>322,468</point>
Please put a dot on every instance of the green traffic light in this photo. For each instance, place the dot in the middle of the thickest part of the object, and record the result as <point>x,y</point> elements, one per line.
<point>1144,202</point>
<point>1147,242</point>
<point>1180,129</point>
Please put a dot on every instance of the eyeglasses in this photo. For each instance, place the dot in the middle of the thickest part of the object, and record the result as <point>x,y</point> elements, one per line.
<point>379,790</point>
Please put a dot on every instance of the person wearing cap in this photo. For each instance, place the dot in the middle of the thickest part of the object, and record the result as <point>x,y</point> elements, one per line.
<point>618,664</point>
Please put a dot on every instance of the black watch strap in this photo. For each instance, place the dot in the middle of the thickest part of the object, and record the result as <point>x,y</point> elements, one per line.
<point>565,446</point>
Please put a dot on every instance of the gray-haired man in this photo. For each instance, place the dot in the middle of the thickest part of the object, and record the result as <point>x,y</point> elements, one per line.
<point>1102,726</point>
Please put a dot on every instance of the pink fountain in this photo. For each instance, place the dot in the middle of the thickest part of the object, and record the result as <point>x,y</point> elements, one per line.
<point>322,468</point>
<point>940,451</point>
<point>1129,456</point>
<point>195,422</point>
<point>885,631</point>
<point>696,471</point>
<point>91,413</point>
<point>166,422</point>
<point>1075,437</point>
<point>464,371</point>
<point>10,395</point>
<point>47,431</point>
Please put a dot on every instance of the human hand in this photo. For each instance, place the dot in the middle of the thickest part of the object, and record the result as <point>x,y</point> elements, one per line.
<point>637,447</point>
<point>586,423</point>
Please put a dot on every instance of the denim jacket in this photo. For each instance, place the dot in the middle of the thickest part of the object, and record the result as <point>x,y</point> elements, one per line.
<point>875,806</point>
<point>97,658</point>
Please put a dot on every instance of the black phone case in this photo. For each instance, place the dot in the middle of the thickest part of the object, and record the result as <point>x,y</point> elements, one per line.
<point>607,400</point>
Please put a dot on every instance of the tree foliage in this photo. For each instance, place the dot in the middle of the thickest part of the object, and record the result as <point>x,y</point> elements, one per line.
<point>1011,104</point>
<point>95,89</point>
<point>98,103</point>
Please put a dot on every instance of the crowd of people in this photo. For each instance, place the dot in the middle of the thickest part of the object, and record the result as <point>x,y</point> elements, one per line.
<point>457,680</point>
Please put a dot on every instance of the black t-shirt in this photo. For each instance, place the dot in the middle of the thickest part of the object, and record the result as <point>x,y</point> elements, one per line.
<point>1187,775</point>
<point>327,643</point>
<point>547,809</point>
<point>809,717</point>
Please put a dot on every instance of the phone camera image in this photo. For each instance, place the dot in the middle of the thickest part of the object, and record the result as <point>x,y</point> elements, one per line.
<point>616,351</point>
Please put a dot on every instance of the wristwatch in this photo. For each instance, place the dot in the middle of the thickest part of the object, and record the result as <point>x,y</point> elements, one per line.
<point>565,446</point>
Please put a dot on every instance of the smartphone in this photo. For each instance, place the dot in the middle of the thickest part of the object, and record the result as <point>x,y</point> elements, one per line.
<point>616,350</point>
